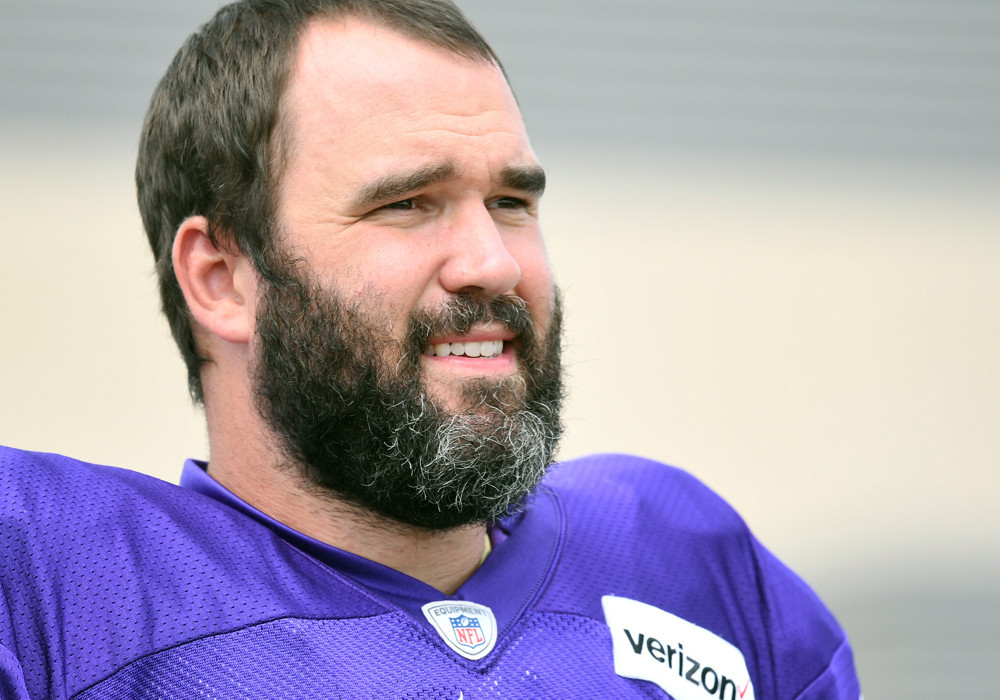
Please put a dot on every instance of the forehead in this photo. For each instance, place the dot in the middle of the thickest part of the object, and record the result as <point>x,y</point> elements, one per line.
<point>357,85</point>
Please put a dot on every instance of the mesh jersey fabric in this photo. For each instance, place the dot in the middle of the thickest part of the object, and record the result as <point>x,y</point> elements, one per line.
<point>117,585</point>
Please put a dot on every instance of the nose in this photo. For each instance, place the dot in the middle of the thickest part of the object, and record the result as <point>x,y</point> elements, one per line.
<point>479,261</point>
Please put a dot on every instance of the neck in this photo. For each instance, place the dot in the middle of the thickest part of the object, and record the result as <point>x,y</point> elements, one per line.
<point>444,560</point>
<point>245,459</point>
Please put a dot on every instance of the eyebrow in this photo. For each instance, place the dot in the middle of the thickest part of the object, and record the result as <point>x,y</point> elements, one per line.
<point>526,178</point>
<point>392,186</point>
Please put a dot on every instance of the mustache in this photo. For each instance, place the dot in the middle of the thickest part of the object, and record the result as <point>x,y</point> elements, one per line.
<point>460,313</point>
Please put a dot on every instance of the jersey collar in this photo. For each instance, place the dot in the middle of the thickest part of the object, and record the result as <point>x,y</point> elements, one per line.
<point>526,548</point>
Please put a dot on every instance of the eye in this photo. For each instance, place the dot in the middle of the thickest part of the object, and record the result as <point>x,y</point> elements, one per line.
<point>509,203</point>
<point>402,205</point>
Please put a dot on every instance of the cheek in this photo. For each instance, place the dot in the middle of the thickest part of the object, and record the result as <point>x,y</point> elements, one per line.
<point>536,284</point>
<point>397,279</point>
<point>387,269</point>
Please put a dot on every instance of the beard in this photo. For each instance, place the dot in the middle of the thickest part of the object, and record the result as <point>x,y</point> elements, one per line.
<point>348,404</point>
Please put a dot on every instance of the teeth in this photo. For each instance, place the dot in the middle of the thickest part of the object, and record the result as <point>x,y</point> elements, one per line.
<point>486,348</point>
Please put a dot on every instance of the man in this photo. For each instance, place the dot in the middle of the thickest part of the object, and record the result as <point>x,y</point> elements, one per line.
<point>342,203</point>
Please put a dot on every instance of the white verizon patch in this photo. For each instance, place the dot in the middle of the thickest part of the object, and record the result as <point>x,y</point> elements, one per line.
<point>686,660</point>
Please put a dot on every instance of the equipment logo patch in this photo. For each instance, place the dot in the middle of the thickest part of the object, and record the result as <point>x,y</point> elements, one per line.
<point>469,629</point>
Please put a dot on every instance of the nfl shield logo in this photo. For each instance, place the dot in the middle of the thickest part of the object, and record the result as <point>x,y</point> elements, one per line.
<point>469,629</point>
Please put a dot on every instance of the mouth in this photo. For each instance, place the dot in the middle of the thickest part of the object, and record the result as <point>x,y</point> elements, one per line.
<point>469,348</point>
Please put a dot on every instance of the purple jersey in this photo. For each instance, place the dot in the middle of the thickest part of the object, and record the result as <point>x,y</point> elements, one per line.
<point>624,578</point>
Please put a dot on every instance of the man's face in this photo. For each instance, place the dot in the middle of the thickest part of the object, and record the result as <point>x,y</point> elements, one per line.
<point>409,359</point>
<point>409,180</point>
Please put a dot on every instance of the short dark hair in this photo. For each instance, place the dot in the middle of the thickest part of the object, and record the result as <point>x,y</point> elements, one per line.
<point>213,142</point>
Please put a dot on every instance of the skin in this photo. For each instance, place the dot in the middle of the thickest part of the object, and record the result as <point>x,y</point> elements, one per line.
<point>410,179</point>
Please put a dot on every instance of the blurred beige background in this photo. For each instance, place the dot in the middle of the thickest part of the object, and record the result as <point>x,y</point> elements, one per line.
<point>814,332</point>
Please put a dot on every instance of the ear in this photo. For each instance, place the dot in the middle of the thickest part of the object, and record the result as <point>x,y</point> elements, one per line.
<point>219,286</point>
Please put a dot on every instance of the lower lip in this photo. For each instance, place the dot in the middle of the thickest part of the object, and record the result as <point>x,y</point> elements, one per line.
<point>505,362</point>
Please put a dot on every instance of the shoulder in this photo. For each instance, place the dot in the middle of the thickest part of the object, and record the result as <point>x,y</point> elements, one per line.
<point>80,519</point>
<point>125,565</point>
<point>652,533</point>
<point>640,529</point>
<point>644,493</point>
<point>40,487</point>
<point>634,514</point>
<point>63,519</point>
<point>65,507</point>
